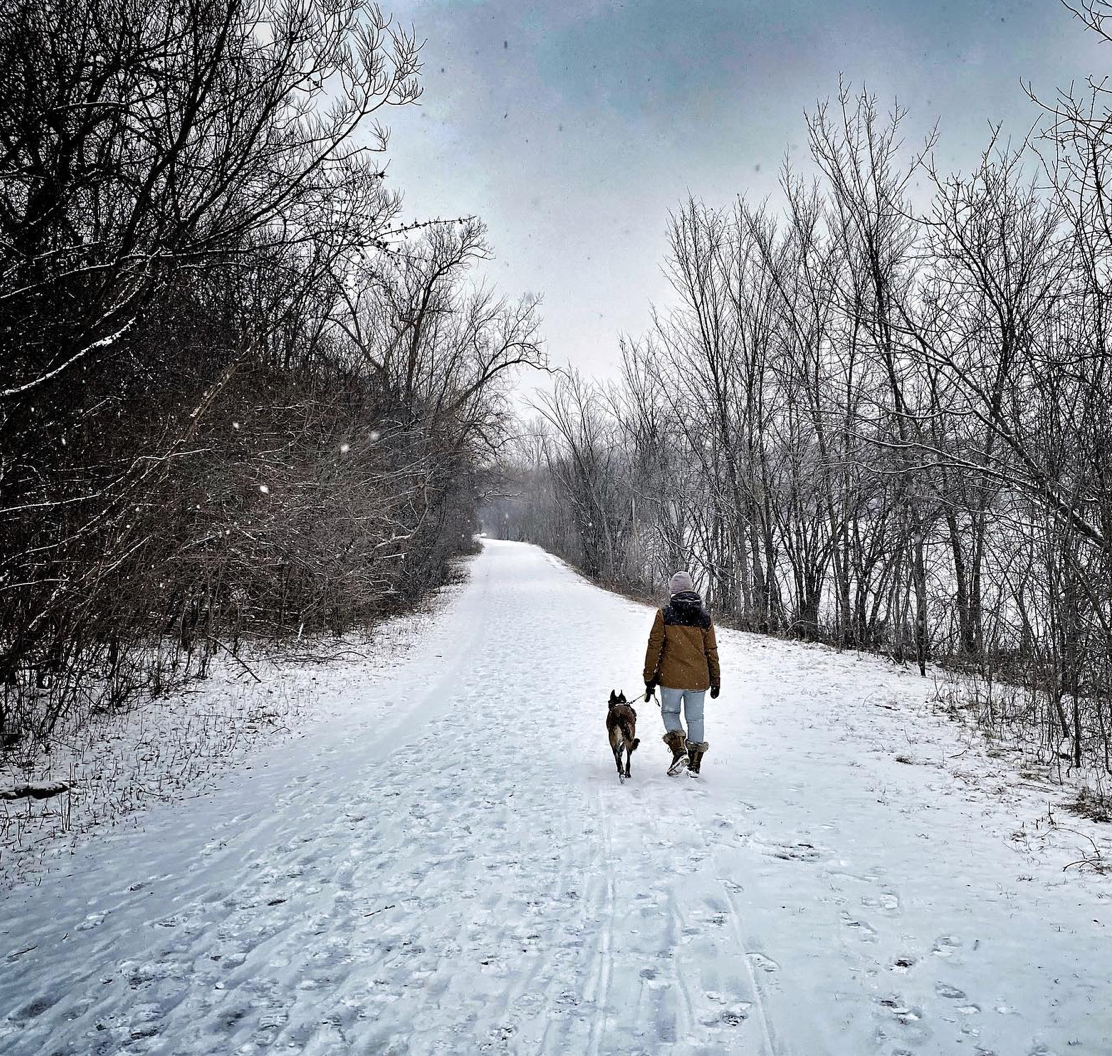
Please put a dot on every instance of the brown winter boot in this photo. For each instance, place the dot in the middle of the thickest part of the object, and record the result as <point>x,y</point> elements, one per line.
<point>695,752</point>
<point>678,743</point>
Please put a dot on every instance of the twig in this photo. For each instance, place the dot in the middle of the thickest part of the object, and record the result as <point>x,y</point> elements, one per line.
<point>1097,863</point>
<point>237,659</point>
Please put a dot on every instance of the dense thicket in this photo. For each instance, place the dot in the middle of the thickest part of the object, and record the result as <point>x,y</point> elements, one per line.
<point>874,423</point>
<point>237,397</point>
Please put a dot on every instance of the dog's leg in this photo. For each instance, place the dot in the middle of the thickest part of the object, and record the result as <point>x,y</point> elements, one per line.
<point>629,753</point>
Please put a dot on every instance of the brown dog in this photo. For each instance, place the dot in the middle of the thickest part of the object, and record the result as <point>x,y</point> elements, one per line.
<point>621,725</point>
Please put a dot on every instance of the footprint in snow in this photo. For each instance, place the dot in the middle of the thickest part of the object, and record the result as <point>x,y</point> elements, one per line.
<point>688,934</point>
<point>33,1008</point>
<point>733,1016</point>
<point>143,975</point>
<point>946,946</point>
<point>801,851</point>
<point>144,1018</point>
<point>886,901</point>
<point>950,992</point>
<point>866,931</point>
<point>766,964</point>
<point>906,1014</point>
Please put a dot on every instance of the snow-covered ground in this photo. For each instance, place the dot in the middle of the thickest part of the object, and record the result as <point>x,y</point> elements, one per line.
<point>450,866</point>
<point>116,766</point>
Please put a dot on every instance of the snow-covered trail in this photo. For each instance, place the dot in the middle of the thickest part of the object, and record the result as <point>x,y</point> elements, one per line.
<point>454,868</point>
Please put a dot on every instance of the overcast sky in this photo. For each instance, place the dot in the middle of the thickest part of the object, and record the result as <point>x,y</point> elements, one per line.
<point>573,127</point>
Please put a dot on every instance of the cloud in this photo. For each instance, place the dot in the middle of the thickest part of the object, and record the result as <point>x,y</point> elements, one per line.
<point>572,128</point>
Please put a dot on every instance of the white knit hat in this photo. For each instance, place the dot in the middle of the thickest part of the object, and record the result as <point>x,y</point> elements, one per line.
<point>680,582</point>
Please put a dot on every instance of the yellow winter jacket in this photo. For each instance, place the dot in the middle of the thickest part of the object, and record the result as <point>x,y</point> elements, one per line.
<point>682,652</point>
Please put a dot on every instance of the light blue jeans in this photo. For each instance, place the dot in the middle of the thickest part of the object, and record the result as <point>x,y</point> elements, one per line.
<point>692,700</point>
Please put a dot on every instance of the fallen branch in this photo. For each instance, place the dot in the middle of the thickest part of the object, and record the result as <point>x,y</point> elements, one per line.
<point>35,790</point>
<point>238,660</point>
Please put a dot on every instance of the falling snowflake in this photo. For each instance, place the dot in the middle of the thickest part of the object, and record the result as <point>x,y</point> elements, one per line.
<point>264,489</point>
<point>345,448</point>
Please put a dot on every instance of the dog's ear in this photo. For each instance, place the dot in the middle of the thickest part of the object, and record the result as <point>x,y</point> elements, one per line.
<point>621,696</point>
<point>613,698</point>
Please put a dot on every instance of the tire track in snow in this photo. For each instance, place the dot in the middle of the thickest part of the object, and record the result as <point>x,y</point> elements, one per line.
<point>686,1017</point>
<point>737,927</point>
<point>737,921</point>
<point>600,991</point>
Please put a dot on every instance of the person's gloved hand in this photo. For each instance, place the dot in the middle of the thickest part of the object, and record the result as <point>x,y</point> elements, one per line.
<point>650,688</point>
<point>714,691</point>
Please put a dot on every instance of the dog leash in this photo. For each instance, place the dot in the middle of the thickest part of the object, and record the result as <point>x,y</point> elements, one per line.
<point>640,699</point>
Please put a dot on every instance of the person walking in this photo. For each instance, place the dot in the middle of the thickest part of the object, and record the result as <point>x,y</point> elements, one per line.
<point>682,658</point>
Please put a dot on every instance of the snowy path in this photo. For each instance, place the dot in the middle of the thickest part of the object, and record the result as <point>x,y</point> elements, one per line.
<point>455,869</point>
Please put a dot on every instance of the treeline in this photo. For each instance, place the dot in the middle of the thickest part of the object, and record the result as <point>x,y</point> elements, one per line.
<point>239,397</point>
<point>875,423</point>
